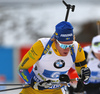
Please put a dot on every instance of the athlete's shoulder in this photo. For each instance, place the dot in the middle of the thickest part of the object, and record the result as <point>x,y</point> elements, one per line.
<point>76,46</point>
<point>75,43</point>
<point>87,48</point>
<point>44,41</point>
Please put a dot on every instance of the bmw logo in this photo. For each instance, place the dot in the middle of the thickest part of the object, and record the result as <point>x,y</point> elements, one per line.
<point>59,64</point>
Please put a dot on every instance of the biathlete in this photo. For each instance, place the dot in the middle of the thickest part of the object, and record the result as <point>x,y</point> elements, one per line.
<point>92,54</point>
<point>50,58</point>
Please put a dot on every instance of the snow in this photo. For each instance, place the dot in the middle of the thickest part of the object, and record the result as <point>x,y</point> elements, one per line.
<point>11,92</point>
<point>14,28</point>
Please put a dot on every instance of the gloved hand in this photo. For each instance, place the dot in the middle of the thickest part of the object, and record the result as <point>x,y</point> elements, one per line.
<point>64,78</point>
<point>80,86</point>
<point>40,85</point>
<point>85,74</point>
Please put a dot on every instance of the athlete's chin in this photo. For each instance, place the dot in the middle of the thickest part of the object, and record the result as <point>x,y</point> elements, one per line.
<point>64,54</point>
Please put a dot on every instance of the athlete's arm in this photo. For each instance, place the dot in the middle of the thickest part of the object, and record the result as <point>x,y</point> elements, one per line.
<point>80,61</point>
<point>30,58</point>
<point>81,65</point>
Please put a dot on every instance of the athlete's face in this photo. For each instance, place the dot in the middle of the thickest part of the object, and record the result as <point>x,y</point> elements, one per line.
<point>63,49</point>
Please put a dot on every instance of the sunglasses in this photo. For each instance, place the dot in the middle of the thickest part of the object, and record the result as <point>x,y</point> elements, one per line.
<point>64,46</point>
<point>96,43</point>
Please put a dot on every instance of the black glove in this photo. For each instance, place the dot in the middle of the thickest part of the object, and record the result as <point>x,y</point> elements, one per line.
<point>85,74</point>
<point>64,78</point>
<point>44,84</point>
<point>80,86</point>
<point>40,85</point>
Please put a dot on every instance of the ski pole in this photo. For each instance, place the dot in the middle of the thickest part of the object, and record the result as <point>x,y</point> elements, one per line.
<point>28,85</point>
<point>98,27</point>
<point>15,88</point>
<point>12,84</point>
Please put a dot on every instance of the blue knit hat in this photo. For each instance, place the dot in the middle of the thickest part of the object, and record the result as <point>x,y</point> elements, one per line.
<point>64,31</point>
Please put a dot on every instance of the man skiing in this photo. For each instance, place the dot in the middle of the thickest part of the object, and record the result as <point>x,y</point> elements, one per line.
<point>92,54</point>
<point>52,57</point>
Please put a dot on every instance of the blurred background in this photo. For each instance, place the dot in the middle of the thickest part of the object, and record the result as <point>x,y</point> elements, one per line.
<point>22,22</point>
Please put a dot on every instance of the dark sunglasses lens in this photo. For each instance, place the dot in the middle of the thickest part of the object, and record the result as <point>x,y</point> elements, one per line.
<point>96,43</point>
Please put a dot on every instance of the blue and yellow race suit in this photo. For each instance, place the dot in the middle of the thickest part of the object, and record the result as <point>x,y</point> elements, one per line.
<point>49,66</point>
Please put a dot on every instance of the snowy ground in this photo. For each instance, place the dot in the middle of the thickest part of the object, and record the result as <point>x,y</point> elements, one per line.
<point>11,91</point>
